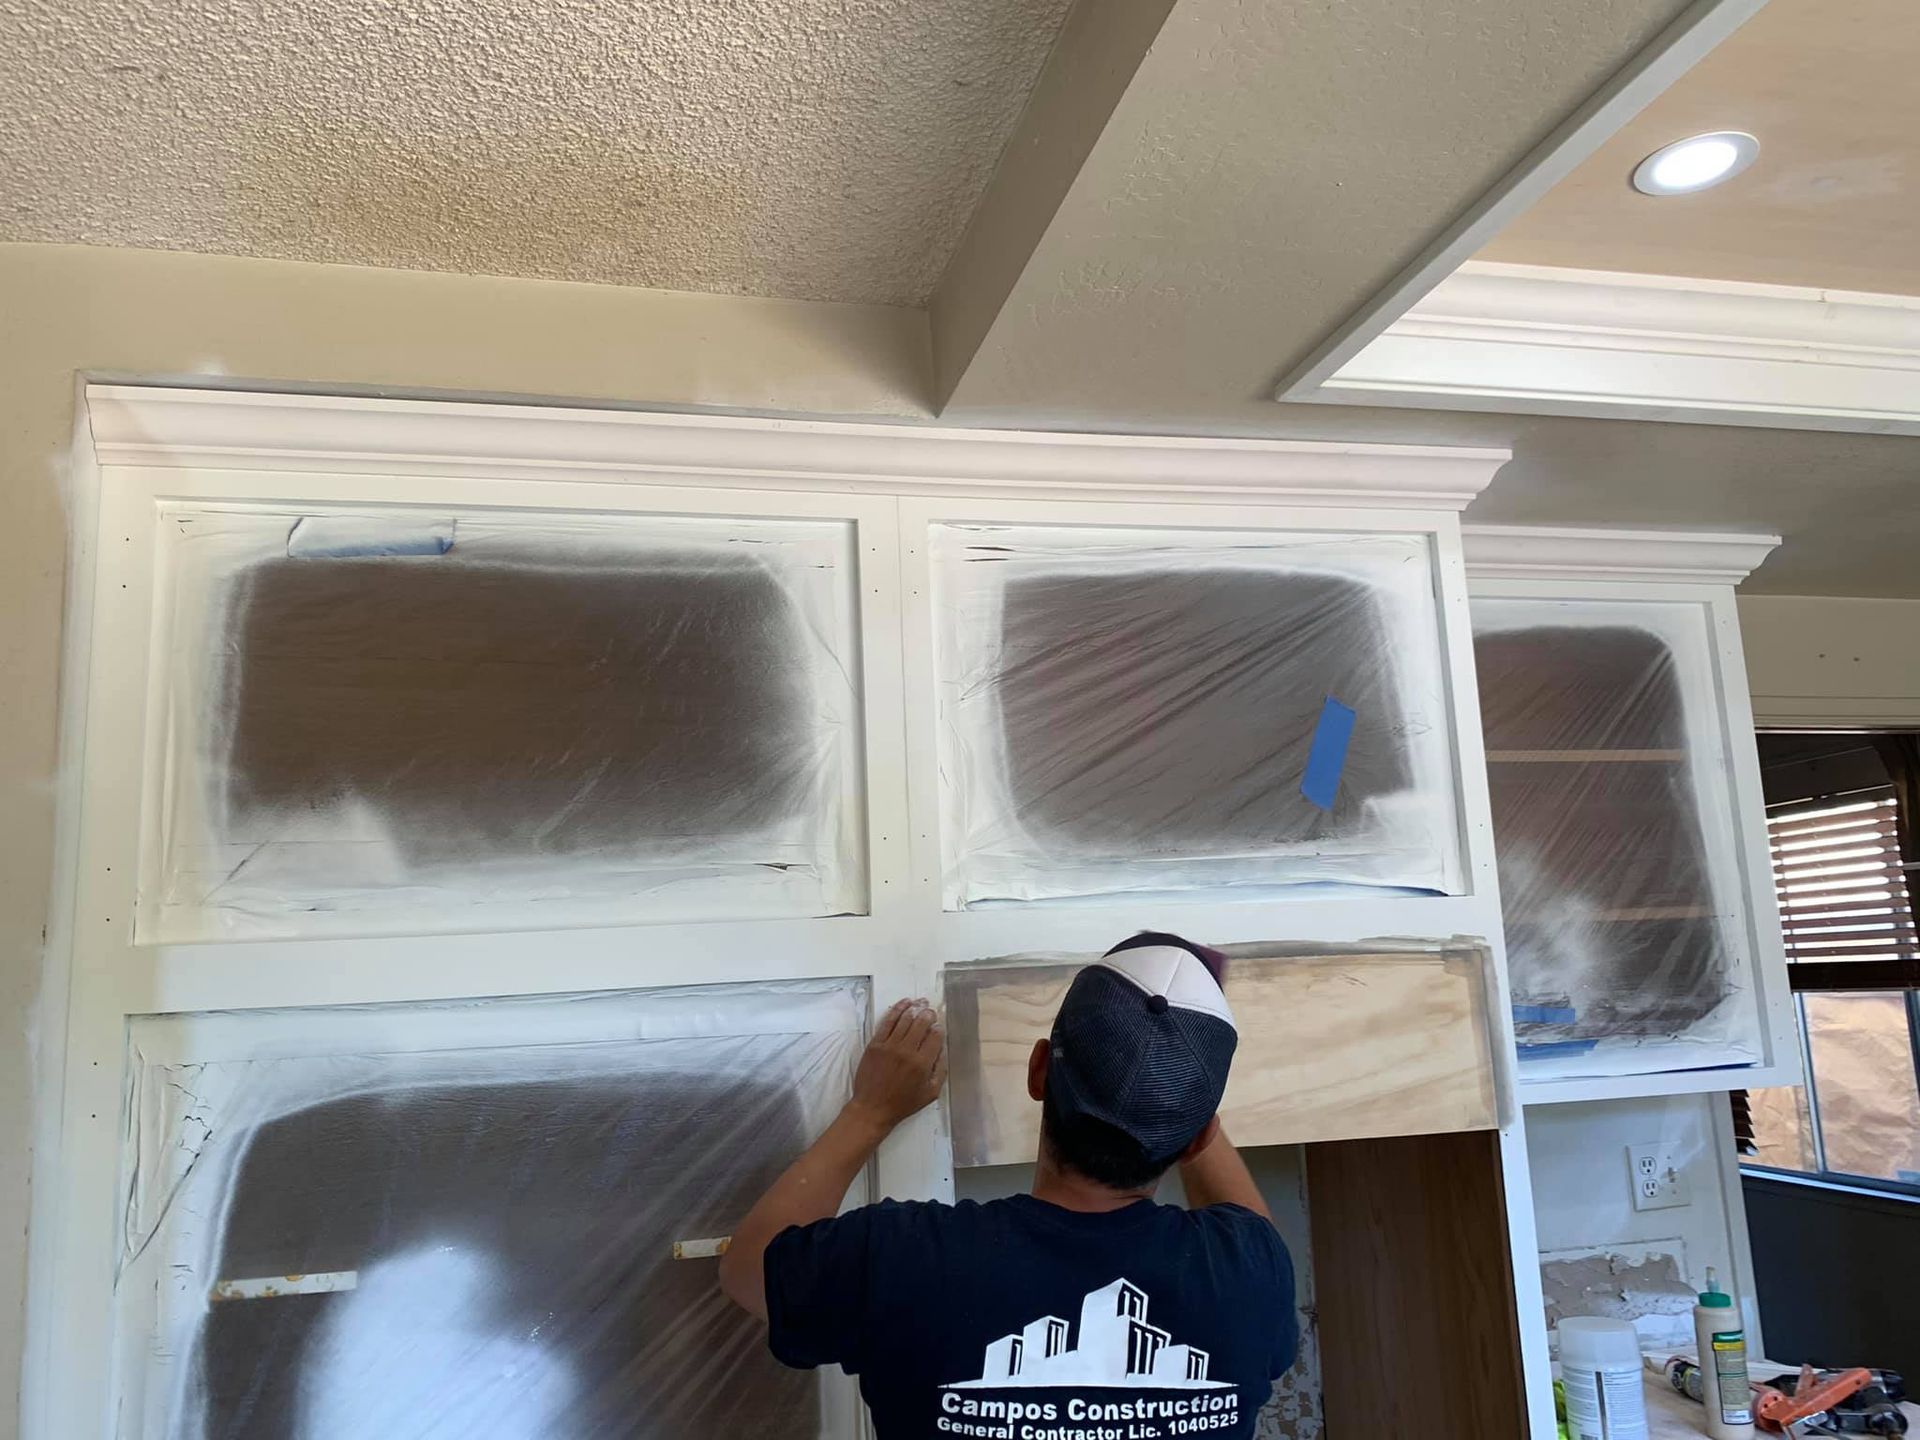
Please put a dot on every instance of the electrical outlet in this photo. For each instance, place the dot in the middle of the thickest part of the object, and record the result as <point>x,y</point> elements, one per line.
<point>1654,1173</point>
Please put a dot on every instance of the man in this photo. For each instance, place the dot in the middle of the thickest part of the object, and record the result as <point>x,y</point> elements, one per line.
<point>1081,1311</point>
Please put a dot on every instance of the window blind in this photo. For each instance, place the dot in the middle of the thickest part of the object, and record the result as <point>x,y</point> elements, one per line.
<point>1845,910</point>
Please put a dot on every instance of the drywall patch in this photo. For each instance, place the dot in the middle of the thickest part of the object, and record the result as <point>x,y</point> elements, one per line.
<point>1293,1412</point>
<point>1645,1284</point>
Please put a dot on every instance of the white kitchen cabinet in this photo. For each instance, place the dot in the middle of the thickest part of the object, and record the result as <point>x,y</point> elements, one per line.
<point>910,617</point>
<point>1643,944</point>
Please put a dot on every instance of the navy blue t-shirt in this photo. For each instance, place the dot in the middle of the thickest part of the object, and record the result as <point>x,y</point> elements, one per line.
<point>1022,1320</point>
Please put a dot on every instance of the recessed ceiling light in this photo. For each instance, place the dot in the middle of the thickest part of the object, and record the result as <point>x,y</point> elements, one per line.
<point>1695,163</point>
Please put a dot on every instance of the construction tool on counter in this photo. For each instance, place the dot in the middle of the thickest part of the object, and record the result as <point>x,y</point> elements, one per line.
<point>1834,1402</point>
<point>1780,1405</point>
<point>1873,1409</point>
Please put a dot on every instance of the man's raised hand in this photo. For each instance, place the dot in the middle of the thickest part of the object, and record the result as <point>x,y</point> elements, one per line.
<point>904,1066</point>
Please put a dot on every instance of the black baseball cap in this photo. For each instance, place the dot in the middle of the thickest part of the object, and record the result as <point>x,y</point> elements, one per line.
<point>1143,1042</point>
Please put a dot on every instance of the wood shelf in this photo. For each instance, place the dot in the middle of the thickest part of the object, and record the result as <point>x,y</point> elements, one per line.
<point>1634,913</point>
<point>1581,757</point>
<point>1628,915</point>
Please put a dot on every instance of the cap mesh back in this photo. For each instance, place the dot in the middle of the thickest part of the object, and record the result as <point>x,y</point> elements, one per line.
<point>1155,1074</point>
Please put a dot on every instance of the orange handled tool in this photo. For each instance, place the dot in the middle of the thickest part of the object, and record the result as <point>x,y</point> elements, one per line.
<point>1779,1411</point>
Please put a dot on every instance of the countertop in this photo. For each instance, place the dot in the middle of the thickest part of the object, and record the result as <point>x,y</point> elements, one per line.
<point>1672,1416</point>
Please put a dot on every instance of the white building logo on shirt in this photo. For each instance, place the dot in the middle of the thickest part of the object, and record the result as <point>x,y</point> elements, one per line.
<point>1115,1346</point>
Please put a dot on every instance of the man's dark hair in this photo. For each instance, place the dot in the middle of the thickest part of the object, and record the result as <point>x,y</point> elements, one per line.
<point>1099,1151</point>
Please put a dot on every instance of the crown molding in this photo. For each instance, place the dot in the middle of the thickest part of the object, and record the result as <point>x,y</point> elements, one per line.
<point>227,429</point>
<point>1583,342</point>
<point>1691,35</point>
<point>1522,552</point>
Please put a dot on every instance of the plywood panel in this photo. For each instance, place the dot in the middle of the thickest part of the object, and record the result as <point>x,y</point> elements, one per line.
<point>1334,1044</point>
<point>1418,1329</point>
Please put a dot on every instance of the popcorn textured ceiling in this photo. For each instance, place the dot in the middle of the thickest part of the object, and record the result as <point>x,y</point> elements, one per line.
<point>810,149</point>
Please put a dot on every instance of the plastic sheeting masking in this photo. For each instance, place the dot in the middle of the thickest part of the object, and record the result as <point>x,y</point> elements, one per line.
<point>605,718</point>
<point>1128,711</point>
<point>505,1194</point>
<point>1612,826</point>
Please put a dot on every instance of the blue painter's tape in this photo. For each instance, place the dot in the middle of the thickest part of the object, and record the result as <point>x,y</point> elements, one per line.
<point>358,537</point>
<point>1555,1047</point>
<point>1543,1015</point>
<point>1327,756</point>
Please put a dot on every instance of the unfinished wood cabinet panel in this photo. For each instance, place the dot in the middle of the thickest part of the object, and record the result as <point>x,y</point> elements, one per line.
<point>1334,1044</point>
<point>1419,1333</point>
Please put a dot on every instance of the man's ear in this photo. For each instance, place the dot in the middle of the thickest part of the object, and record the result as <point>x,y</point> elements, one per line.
<point>1200,1142</point>
<point>1037,1069</point>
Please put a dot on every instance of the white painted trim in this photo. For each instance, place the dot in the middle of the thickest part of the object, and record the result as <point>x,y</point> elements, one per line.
<point>47,1025</point>
<point>1586,342</point>
<point>888,482</point>
<point>1733,1205</point>
<point>1523,552</point>
<point>224,430</point>
<point>1703,25</point>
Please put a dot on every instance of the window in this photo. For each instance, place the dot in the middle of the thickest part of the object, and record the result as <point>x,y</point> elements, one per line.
<point>1854,961</point>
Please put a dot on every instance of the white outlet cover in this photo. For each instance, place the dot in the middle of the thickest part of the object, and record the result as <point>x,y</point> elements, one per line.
<point>1654,1177</point>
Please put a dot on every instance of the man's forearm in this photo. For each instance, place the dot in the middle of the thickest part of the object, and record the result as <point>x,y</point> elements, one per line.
<point>1218,1176</point>
<point>812,1188</point>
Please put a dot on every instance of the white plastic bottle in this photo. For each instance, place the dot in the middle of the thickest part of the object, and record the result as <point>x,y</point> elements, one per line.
<point>1600,1371</point>
<point>1722,1338</point>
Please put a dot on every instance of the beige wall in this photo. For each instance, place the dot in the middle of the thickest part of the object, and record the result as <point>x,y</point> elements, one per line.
<point>68,310</point>
<point>1820,661</point>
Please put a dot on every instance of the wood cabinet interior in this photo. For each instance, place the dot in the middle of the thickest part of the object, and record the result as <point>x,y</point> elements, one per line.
<point>1419,1334</point>
<point>1610,918</point>
<point>1339,1043</point>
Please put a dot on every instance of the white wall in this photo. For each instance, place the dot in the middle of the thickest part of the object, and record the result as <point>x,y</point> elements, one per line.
<point>1816,661</point>
<point>1583,1207</point>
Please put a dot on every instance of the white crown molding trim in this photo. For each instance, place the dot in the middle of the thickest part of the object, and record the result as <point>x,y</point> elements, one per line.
<point>1521,552</point>
<point>223,429</point>
<point>1676,50</point>
<point>1585,342</point>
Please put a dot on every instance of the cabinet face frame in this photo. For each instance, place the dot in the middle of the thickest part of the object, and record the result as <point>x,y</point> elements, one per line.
<point>887,483</point>
<point>1700,571</point>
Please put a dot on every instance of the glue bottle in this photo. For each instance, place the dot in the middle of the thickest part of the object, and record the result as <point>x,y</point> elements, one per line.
<point>1722,1341</point>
